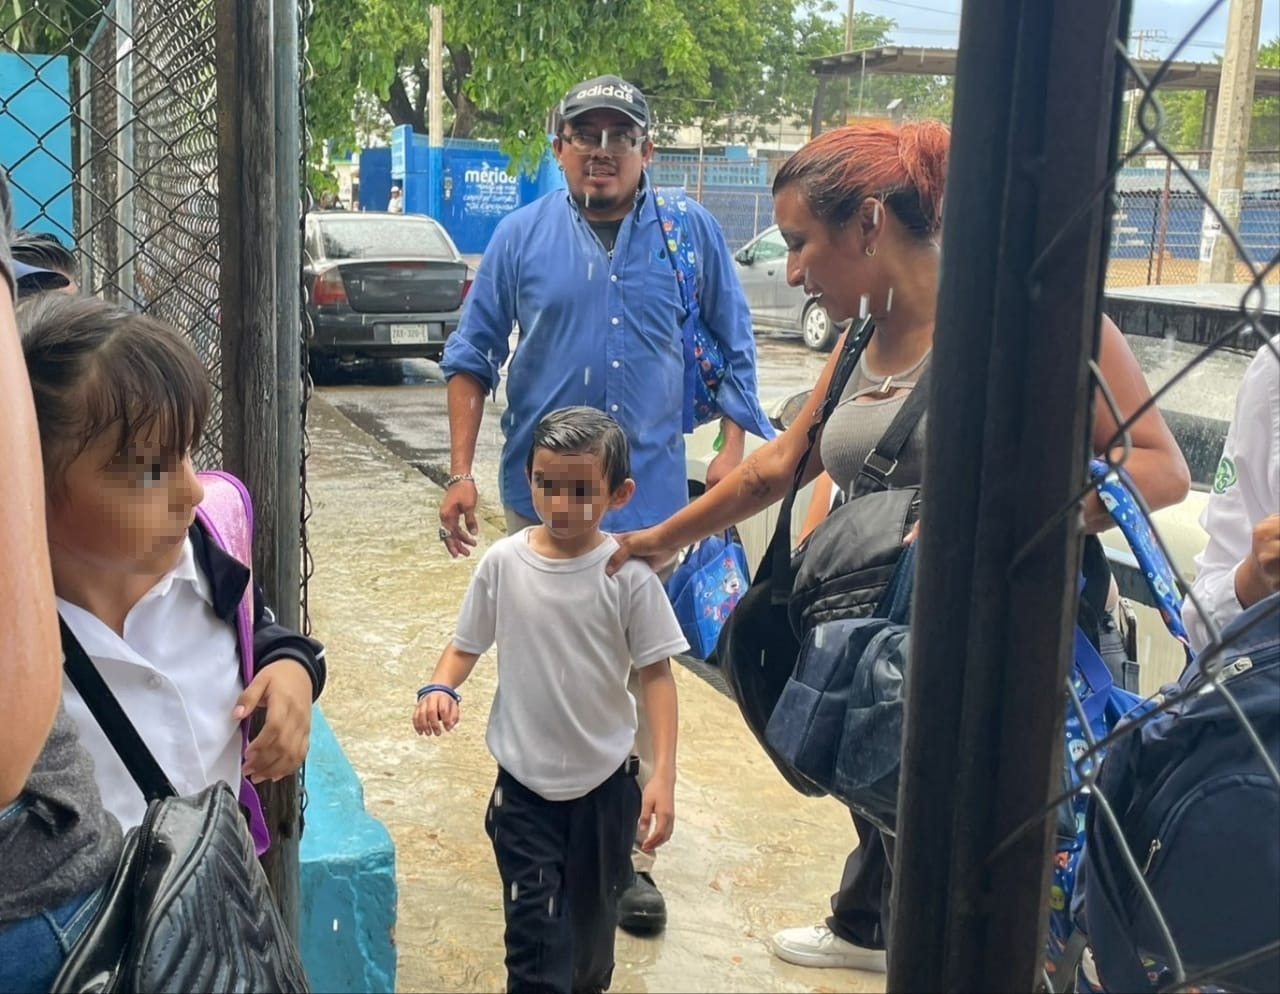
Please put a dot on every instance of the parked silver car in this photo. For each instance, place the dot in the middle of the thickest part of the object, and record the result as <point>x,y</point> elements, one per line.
<point>762,269</point>
<point>380,286</point>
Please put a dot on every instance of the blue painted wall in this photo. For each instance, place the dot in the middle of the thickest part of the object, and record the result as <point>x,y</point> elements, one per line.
<point>35,141</point>
<point>472,192</point>
<point>348,878</point>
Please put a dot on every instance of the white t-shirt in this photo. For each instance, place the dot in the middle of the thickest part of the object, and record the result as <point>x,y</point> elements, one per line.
<point>567,635</point>
<point>1246,490</point>
<point>176,674</point>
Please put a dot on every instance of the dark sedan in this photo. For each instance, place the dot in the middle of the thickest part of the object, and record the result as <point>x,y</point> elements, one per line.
<point>381,286</point>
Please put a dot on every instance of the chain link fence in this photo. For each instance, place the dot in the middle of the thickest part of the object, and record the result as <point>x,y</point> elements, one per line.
<point>110,140</point>
<point>1141,917</point>
<point>109,136</point>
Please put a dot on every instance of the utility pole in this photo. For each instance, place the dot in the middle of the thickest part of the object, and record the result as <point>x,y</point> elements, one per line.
<point>1230,140</point>
<point>435,113</point>
<point>1132,97</point>
<point>848,47</point>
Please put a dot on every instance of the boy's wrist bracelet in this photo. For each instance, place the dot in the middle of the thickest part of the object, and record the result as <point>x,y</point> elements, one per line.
<point>458,478</point>
<point>431,688</point>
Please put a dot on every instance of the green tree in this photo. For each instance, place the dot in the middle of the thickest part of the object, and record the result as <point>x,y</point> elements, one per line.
<point>48,26</point>
<point>731,65</point>
<point>1183,113</point>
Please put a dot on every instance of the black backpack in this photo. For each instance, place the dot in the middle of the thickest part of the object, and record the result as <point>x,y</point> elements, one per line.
<point>1198,806</point>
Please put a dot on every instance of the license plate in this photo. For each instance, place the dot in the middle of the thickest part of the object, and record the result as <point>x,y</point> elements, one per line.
<point>409,334</point>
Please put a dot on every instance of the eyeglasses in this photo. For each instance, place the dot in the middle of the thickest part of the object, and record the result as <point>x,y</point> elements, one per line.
<point>613,142</point>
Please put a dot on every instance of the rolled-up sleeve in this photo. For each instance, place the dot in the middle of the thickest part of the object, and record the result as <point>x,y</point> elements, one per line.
<point>480,344</point>
<point>724,310</point>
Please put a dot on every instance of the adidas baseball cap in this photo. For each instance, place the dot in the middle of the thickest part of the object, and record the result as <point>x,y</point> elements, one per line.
<point>605,93</point>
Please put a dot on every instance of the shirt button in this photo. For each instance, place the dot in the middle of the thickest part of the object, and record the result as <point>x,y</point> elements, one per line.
<point>614,320</point>
<point>154,681</point>
<point>616,364</point>
<point>614,407</point>
<point>613,277</point>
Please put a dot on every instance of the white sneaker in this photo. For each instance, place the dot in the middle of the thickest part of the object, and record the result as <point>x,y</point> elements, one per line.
<point>817,945</point>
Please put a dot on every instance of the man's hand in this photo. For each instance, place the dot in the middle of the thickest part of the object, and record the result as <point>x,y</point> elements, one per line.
<point>284,688</point>
<point>436,714</point>
<point>733,442</point>
<point>458,508</point>
<point>1258,575</point>
<point>657,813</point>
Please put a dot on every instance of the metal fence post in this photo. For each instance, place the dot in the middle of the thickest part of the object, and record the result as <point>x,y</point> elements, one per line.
<point>995,600</point>
<point>249,302</point>
<point>126,233</point>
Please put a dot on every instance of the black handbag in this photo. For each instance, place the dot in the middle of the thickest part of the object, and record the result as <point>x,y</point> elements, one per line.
<point>189,907</point>
<point>757,648</point>
<point>840,572</point>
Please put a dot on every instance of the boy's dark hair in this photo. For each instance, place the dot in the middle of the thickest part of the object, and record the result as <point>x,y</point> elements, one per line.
<point>95,367</point>
<point>585,430</point>
<point>44,251</point>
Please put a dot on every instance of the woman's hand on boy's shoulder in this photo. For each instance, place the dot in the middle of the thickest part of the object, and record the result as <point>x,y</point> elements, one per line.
<point>283,688</point>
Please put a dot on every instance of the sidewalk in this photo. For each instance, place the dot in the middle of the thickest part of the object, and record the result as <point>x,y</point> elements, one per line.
<point>749,855</point>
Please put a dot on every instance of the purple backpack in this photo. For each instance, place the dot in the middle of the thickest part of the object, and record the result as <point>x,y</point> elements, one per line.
<point>227,515</point>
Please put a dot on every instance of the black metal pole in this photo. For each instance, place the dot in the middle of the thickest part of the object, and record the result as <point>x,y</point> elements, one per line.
<point>1005,449</point>
<point>249,234</point>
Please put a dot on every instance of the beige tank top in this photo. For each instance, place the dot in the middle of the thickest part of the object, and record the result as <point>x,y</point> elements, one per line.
<point>855,426</point>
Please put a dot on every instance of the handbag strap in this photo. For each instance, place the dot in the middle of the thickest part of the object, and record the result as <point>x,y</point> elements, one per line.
<point>778,555</point>
<point>881,461</point>
<point>106,710</point>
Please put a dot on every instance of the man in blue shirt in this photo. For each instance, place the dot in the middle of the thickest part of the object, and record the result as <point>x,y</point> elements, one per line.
<point>587,276</point>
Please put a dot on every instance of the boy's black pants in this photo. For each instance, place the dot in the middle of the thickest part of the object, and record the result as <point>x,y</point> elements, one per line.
<point>563,865</point>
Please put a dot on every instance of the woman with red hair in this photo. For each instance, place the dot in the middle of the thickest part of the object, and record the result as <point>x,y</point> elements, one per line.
<point>860,208</point>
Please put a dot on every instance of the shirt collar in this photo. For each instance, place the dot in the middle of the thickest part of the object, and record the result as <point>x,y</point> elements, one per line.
<point>184,571</point>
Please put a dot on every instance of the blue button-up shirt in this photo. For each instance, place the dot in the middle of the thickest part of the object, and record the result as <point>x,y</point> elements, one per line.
<point>604,332</point>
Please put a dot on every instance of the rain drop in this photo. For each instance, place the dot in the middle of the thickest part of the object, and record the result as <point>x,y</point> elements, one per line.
<point>521,53</point>
<point>864,305</point>
<point>335,924</point>
<point>762,659</point>
<point>539,34</point>
<point>497,797</point>
<point>586,375</point>
<point>488,73</point>
<point>888,304</point>
<point>539,876</point>
<point>519,9</point>
<point>818,637</point>
<point>591,268</point>
<point>515,890</point>
<point>551,906</point>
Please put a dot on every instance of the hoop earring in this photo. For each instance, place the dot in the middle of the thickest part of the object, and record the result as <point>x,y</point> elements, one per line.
<point>870,250</point>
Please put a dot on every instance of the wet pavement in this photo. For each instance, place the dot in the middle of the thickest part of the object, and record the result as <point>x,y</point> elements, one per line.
<point>749,855</point>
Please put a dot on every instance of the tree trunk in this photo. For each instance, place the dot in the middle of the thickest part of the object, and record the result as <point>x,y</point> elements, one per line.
<point>401,109</point>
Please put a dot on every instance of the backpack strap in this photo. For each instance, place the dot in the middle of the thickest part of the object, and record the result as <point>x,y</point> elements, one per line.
<point>227,515</point>
<point>1115,491</point>
<point>704,363</point>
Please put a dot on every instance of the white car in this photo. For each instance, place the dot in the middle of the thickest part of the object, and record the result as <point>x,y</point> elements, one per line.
<point>1198,411</point>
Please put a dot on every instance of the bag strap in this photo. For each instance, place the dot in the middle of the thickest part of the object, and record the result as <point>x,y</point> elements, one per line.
<point>778,555</point>
<point>1114,491</point>
<point>881,461</point>
<point>676,235</point>
<point>106,710</point>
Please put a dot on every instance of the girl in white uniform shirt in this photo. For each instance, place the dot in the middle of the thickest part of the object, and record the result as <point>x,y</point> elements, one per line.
<point>121,401</point>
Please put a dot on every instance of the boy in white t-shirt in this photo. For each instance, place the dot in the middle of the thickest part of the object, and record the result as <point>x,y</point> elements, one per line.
<point>566,806</point>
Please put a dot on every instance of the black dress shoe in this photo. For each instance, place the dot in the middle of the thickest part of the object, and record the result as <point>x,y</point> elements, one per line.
<point>642,910</point>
